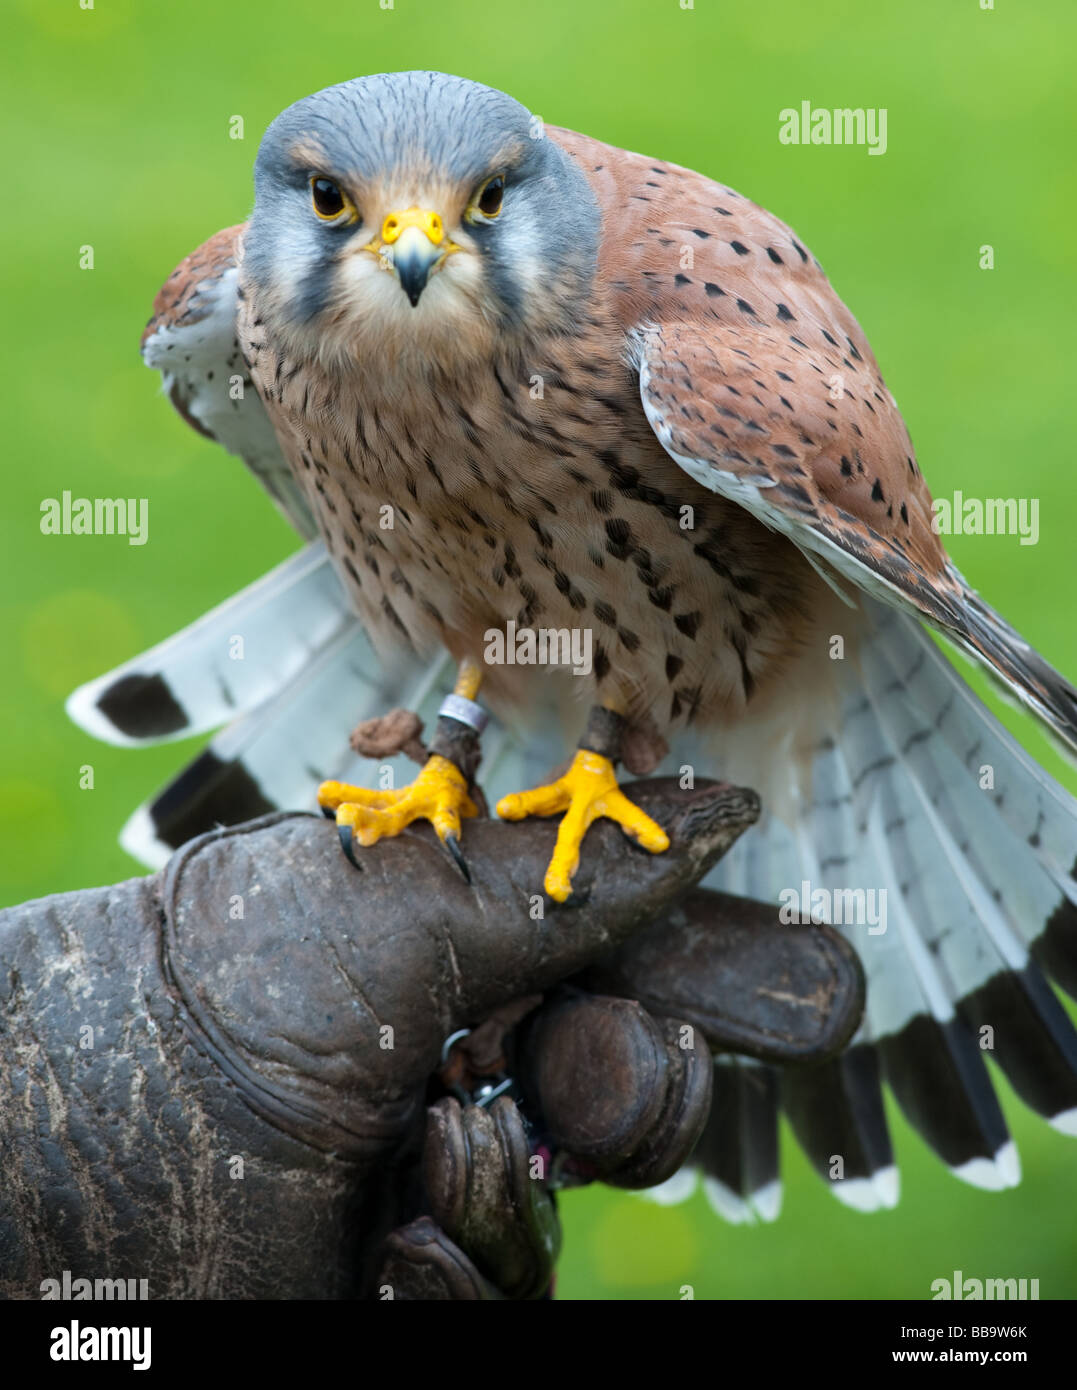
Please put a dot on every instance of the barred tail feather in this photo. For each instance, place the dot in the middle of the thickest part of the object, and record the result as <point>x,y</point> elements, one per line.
<point>198,679</point>
<point>737,1153</point>
<point>836,1112</point>
<point>979,892</point>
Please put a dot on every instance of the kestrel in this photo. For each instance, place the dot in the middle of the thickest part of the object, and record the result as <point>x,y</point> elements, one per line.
<point>516,379</point>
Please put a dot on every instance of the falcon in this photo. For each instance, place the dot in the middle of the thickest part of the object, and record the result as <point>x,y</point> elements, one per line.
<point>505,377</point>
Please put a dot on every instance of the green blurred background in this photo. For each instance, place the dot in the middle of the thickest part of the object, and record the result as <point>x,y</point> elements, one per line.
<point>117,135</point>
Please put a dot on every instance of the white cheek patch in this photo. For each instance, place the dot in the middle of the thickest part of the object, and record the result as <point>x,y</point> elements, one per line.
<point>529,267</point>
<point>290,267</point>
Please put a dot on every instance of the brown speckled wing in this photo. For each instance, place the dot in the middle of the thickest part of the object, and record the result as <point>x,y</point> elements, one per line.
<point>191,341</point>
<point>747,414</point>
<point>712,401</point>
<point>756,377</point>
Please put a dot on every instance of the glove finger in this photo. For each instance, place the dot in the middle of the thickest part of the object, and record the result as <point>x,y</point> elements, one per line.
<point>748,982</point>
<point>624,1092</point>
<point>484,1188</point>
<point>421,1263</point>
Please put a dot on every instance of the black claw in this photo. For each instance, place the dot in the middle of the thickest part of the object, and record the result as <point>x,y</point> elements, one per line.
<point>452,844</point>
<point>579,897</point>
<point>345,833</point>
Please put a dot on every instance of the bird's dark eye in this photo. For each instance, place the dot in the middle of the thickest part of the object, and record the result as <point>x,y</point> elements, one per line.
<point>489,199</point>
<point>327,198</point>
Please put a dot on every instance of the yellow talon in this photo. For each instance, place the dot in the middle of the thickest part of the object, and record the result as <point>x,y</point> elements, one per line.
<point>439,794</point>
<point>587,791</point>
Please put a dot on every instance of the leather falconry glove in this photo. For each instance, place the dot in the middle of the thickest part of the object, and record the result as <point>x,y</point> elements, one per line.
<point>231,1080</point>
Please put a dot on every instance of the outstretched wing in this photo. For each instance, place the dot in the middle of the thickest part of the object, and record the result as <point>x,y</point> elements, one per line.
<point>191,341</point>
<point>810,442</point>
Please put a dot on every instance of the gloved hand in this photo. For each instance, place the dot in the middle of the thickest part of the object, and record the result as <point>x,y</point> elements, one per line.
<point>612,1075</point>
<point>216,1079</point>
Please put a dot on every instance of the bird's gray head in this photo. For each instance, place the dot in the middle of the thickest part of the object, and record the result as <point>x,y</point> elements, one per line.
<point>413,213</point>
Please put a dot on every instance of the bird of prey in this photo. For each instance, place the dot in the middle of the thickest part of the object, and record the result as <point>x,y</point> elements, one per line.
<point>507,378</point>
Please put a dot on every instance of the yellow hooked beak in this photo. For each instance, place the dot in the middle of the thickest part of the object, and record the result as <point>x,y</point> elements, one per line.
<point>413,243</point>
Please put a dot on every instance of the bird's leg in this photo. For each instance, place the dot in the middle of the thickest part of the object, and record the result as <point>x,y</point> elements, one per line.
<point>587,791</point>
<point>440,793</point>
